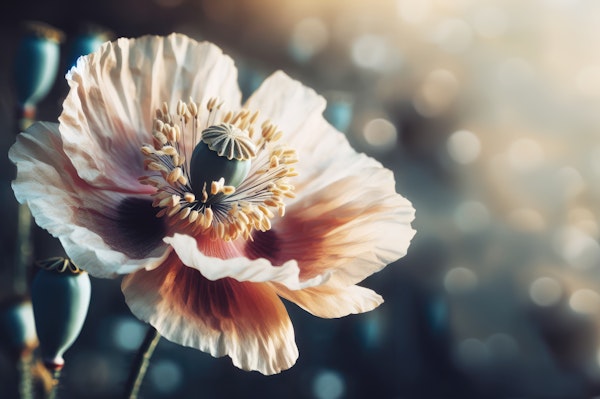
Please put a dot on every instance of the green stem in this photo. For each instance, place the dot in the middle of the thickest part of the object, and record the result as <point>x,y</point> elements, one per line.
<point>140,363</point>
<point>24,246</point>
<point>54,389</point>
<point>24,249</point>
<point>25,378</point>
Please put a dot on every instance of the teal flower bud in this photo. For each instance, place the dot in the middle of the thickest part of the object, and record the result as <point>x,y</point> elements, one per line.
<point>36,65</point>
<point>17,326</point>
<point>60,293</point>
<point>85,43</point>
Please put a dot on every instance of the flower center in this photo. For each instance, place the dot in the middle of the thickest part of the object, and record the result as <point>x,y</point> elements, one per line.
<point>233,179</point>
<point>223,152</point>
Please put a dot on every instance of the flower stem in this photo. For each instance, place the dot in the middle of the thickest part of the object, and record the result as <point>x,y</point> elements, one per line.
<point>140,363</point>
<point>55,380</point>
<point>24,247</point>
<point>25,378</point>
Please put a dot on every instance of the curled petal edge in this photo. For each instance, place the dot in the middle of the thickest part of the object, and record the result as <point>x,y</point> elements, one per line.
<point>241,268</point>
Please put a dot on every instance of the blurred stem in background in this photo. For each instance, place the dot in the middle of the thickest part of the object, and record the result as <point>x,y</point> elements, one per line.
<point>36,66</point>
<point>18,337</point>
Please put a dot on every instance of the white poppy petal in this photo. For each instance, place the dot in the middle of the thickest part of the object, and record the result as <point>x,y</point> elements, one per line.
<point>356,226</point>
<point>86,220</point>
<point>109,111</point>
<point>346,217</point>
<point>244,320</point>
<point>351,229</point>
<point>333,302</point>
<point>289,104</point>
<point>240,268</point>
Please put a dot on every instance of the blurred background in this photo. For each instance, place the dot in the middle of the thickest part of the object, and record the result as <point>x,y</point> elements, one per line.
<point>488,114</point>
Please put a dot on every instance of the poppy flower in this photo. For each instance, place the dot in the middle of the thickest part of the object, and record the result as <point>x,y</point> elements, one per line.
<point>212,210</point>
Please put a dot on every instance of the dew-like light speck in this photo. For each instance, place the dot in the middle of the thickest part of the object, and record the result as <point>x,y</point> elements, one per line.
<point>128,334</point>
<point>585,301</point>
<point>309,37</point>
<point>380,134</point>
<point>166,376</point>
<point>460,279</point>
<point>545,291</point>
<point>328,385</point>
<point>463,146</point>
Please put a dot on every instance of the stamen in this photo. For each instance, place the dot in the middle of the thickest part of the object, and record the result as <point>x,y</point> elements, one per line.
<point>189,197</point>
<point>232,182</point>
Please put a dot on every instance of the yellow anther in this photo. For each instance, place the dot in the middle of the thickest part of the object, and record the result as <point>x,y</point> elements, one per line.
<point>193,216</point>
<point>265,211</point>
<point>164,202</point>
<point>189,197</point>
<point>177,132</point>
<point>208,217</point>
<point>193,108</point>
<point>220,230</point>
<point>227,117</point>
<point>216,186</point>
<point>270,202</point>
<point>147,150</point>
<point>160,137</point>
<point>172,211</point>
<point>228,190</point>
<point>211,103</point>
<point>204,193</point>
<point>182,180</point>
<point>185,212</point>
<point>156,166</point>
<point>169,150</point>
<point>181,108</point>
<point>174,175</point>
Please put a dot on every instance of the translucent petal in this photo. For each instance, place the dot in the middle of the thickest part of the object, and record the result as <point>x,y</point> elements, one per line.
<point>244,320</point>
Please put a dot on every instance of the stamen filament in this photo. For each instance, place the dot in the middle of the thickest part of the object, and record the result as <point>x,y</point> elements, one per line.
<point>219,209</point>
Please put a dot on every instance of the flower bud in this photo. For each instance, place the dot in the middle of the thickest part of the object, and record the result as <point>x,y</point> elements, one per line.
<point>17,326</point>
<point>85,43</point>
<point>36,65</point>
<point>60,293</point>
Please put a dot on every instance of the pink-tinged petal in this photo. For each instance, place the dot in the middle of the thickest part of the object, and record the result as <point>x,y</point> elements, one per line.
<point>346,216</point>
<point>325,155</point>
<point>346,219</point>
<point>238,267</point>
<point>351,229</point>
<point>244,320</point>
<point>103,232</point>
<point>115,91</point>
<point>332,302</point>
